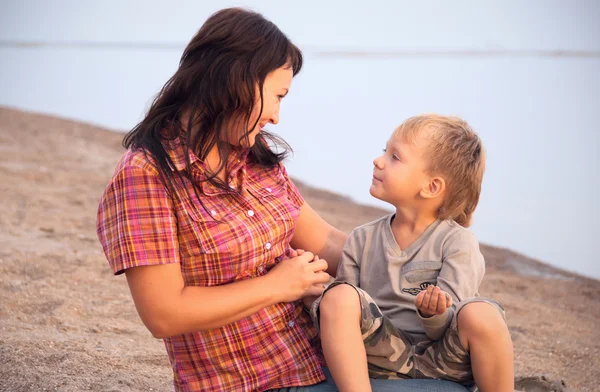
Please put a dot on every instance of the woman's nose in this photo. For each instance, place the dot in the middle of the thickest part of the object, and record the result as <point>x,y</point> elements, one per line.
<point>275,116</point>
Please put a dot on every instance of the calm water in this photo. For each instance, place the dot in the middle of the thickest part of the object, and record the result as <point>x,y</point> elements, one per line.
<point>538,118</point>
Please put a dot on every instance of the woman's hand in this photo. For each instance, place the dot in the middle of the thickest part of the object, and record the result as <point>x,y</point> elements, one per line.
<point>301,275</point>
<point>433,301</point>
<point>309,299</point>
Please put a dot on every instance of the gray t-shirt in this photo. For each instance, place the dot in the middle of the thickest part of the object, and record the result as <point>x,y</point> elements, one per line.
<point>445,254</point>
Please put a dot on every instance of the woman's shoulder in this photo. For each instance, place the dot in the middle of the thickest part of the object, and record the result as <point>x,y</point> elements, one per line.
<point>136,160</point>
<point>276,173</point>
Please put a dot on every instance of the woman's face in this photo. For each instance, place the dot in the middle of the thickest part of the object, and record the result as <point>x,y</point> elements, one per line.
<point>276,86</point>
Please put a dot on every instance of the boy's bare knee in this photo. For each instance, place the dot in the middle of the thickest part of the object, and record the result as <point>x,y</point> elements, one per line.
<point>479,320</point>
<point>340,300</point>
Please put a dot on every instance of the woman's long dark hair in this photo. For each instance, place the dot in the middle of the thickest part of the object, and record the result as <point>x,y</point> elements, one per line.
<point>215,87</point>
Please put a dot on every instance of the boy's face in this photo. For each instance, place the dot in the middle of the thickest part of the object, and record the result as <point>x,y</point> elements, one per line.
<point>399,174</point>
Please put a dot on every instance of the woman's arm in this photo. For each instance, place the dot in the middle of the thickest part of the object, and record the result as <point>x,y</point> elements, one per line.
<point>168,307</point>
<point>138,229</point>
<point>315,235</point>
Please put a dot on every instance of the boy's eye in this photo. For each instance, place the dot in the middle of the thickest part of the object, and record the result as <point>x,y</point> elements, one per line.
<point>384,150</point>
<point>396,157</point>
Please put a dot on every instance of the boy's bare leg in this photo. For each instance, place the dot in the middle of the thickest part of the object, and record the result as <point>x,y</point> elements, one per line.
<point>483,332</point>
<point>341,339</point>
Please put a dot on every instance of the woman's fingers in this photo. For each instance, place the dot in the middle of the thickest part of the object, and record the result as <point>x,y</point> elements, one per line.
<point>321,278</point>
<point>315,290</point>
<point>318,265</point>
<point>306,257</point>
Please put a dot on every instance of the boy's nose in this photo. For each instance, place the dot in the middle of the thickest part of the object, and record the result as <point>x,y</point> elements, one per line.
<point>377,162</point>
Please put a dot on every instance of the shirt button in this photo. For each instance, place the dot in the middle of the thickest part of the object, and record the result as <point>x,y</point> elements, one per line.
<point>269,190</point>
<point>213,212</point>
<point>292,324</point>
<point>268,245</point>
<point>232,186</point>
<point>250,213</point>
<point>261,269</point>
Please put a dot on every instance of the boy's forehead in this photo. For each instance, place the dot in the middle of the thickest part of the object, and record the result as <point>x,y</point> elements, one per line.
<point>399,141</point>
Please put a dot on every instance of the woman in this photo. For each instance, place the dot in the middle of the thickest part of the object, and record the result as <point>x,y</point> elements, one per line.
<point>203,218</point>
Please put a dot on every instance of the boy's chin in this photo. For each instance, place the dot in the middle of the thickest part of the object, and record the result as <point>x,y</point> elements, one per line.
<point>376,193</point>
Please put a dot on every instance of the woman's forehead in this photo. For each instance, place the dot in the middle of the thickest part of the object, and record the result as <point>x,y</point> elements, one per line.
<point>280,78</point>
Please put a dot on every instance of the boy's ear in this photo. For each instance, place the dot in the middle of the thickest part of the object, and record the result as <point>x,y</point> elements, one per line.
<point>434,188</point>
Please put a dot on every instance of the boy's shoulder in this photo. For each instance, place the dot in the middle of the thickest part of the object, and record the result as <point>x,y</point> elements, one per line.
<point>372,226</point>
<point>456,235</point>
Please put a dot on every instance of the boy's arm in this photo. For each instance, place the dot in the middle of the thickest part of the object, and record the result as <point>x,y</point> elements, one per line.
<point>348,269</point>
<point>462,271</point>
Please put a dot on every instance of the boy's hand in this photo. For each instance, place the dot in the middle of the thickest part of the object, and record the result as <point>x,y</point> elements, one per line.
<point>433,301</point>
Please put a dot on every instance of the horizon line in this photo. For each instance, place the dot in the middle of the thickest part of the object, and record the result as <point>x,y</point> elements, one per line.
<point>320,52</point>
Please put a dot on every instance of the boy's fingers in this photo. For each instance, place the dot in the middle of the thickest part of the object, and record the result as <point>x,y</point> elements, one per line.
<point>441,305</point>
<point>448,300</point>
<point>419,299</point>
<point>433,302</point>
<point>426,299</point>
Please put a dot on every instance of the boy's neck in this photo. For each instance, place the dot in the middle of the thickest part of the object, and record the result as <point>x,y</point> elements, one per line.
<point>408,224</point>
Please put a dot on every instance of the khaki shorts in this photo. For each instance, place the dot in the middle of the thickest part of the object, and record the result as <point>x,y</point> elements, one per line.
<point>391,353</point>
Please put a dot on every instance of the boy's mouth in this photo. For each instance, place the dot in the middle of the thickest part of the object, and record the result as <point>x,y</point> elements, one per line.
<point>375,178</point>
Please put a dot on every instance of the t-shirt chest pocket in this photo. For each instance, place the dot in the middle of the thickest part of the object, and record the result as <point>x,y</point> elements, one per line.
<point>417,272</point>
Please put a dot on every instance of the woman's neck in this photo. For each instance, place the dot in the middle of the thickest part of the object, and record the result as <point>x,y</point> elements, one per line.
<point>213,161</point>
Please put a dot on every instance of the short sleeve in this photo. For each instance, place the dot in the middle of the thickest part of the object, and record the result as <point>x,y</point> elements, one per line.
<point>293,192</point>
<point>348,268</point>
<point>463,266</point>
<point>136,224</point>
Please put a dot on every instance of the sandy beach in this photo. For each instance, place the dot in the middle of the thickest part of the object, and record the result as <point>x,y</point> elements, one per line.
<point>67,324</point>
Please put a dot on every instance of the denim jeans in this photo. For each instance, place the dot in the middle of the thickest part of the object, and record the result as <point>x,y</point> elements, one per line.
<point>385,386</point>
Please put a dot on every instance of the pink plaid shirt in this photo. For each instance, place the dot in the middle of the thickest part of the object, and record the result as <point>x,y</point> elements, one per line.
<point>140,223</point>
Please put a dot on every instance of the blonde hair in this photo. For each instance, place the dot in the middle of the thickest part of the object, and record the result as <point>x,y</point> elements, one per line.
<point>454,152</point>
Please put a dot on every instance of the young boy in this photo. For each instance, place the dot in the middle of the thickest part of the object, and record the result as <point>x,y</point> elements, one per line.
<point>417,272</point>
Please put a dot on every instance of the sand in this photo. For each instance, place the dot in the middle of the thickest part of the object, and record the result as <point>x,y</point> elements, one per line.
<point>67,324</point>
